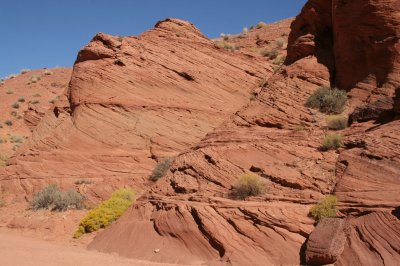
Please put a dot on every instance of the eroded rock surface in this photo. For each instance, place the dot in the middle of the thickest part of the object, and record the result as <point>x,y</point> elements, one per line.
<point>190,216</point>
<point>130,102</point>
<point>326,243</point>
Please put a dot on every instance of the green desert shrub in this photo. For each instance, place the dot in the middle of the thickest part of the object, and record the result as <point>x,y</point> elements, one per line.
<point>280,43</point>
<point>271,54</point>
<point>21,99</point>
<point>332,142</point>
<point>15,105</point>
<point>228,46</point>
<point>279,60</point>
<point>52,198</point>
<point>253,96</point>
<point>34,102</point>
<point>48,72</point>
<point>8,123</point>
<point>3,160</point>
<point>326,208</point>
<point>261,25</point>
<point>337,122</point>
<point>328,100</point>
<point>107,212</point>
<point>34,78</point>
<point>248,184</point>
<point>23,71</point>
<point>161,169</point>
<point>16,139</point>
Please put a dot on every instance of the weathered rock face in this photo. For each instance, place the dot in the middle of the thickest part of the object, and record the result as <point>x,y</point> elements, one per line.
<point>373,239</point>
<point>130,102</point>
<point>368,50</point>
<point>362,59</point>
<point>190,216</point>
<point>326,243</point>
<point>311,34</point>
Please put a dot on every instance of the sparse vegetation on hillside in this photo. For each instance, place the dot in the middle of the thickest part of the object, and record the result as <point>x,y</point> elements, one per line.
<point>326,208</point>
<point>34,79</point>
<point>261,25</point>
<point>52,198</point>
<point>21,99</point>
<point>253,96</point>
<point>107,212</point>
<point>332,142</point>
<point>280,43</point>
<point>16,139</point>
<point>48,72</point>
<point>248,184</point>
<point>23,71</point>
<point>328,100</point>
<point>228,46</point>
<point>161,169</point>
<point>10,91</point>
<point>8,123</point>
<point>279,60</point>
<point>271,54</point>
<point>263,83</point>
<point>337,122</point>
<point>3,160</point>
<point>15,105</point>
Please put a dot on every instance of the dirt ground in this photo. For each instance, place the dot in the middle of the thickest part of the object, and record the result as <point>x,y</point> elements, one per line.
<point>17,250</point>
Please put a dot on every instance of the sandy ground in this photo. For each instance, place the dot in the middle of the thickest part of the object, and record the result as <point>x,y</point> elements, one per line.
<point>22,251</point>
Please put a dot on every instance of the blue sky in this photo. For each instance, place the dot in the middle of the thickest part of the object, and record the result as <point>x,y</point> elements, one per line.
<point>49,33</point>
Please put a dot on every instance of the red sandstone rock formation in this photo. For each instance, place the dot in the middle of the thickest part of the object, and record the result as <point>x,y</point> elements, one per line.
<point>189,215</point>
<point>130,102</point>
<point>34,99</point>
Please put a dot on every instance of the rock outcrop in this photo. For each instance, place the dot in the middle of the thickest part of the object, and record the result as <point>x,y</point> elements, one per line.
<point>190,216</point>
<point>132,101</point>
<point>326,243</point>
<point>24,103</point>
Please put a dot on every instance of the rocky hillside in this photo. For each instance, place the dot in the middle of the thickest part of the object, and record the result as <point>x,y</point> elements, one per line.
<point>24,100</point>
<point>189,215</point>
<point>131,102</point>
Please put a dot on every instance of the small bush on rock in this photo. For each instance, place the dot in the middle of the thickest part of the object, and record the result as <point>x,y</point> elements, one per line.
<point>332,142</point>
<point>261,25</point>
<point>328,100</point>
<point>271,54</point>
<point>52,198</point>
<point>23,71</point>
<point>3,160</point>
<point>107,212</point>
<point>34,78</point>
<point>326,208</point>
<point>337,122</point>
<point>161,169</point>
<point>248,184</point>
